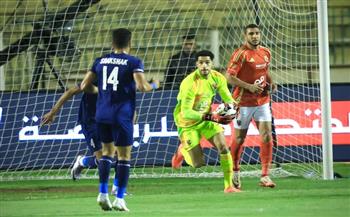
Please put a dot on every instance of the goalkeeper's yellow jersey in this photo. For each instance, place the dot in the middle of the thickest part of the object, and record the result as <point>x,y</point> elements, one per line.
<point>196,95</point>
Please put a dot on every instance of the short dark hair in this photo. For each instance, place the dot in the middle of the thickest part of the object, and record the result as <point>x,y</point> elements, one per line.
<point>121,37</point>
<point>205,53</point>
<point>250,26</point>
<point>189,35</point>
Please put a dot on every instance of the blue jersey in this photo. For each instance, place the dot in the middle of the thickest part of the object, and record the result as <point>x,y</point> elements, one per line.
<point>86,118</point>
<point>116,87</point>
<point>87,109</point>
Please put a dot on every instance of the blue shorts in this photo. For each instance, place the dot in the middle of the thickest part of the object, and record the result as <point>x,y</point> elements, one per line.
<point>92,139</point>
<point>121,133</point>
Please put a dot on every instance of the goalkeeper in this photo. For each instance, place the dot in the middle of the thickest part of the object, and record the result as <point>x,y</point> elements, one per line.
<point>193,118</point>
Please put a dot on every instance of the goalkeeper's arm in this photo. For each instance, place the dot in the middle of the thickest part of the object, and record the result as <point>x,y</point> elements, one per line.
<point>218,118</point>
<point>189,113</point>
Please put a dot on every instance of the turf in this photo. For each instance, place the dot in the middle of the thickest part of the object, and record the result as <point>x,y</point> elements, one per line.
<point>179,197</point>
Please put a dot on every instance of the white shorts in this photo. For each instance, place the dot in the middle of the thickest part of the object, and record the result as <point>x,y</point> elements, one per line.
<point>258,113</point>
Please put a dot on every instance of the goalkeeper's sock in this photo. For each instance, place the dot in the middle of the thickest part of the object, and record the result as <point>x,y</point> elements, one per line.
<point>236,151</point>
<point>104,168</point>
<point>89,162</point>
<point>226,166</point>
<point>123,168</point>
<point>265,157</point>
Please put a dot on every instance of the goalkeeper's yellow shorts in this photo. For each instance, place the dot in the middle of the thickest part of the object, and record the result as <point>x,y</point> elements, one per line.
<point>191,136</point>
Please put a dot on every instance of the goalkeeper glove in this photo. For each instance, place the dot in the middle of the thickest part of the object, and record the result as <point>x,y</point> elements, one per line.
<point>218,118</point>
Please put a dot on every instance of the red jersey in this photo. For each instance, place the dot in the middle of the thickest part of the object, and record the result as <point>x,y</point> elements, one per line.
<point>250,66</point>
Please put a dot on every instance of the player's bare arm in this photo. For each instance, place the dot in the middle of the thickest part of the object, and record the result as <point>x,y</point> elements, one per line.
<point>87,83</point>
<point>271,83</point>
<point>143,85</point>
<point>49,117</point>
<point>253,88</point>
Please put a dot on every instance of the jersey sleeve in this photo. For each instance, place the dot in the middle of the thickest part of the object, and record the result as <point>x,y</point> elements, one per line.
<point>236,62</point>
<point>223,90</point>
<point>137,65</point>
<point>187,100</point>
<point>94,65</point>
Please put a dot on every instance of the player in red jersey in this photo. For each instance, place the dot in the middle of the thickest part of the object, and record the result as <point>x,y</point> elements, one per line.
<point>248,72</point>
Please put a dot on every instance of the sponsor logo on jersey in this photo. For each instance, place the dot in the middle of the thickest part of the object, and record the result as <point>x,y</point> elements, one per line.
<point>260,81</point>
<point>261,66</point>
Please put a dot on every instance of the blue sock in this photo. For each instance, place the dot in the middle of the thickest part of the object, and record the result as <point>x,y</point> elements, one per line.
<point>103,169</point>
<point>115,182</point>
<point>89,162</point>
<point>123,168</point>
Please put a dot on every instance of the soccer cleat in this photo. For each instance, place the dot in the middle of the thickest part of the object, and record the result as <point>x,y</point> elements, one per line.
<point>236,180</point>
<point>120,205</point>
<point>77,168</point>
<point>231,189</point>
<point>103,201</point>
<point>265,181</point>
<point>176,160</point>
<point>114,191</point>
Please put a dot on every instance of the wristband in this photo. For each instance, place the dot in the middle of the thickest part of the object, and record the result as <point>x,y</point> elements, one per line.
<point>154,86</point>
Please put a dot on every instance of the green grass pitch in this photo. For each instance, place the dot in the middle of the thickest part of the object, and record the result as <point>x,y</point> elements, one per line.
<point>179,197</point>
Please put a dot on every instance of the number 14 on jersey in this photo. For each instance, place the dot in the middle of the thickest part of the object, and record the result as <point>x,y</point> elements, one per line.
<point>112,78</point>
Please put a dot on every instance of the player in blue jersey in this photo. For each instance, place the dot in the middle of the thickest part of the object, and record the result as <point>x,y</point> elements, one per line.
<point>118,75</point>
<point>87,121</point>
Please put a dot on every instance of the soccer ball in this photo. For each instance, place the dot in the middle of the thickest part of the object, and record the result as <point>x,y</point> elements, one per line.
<point>225,109</point>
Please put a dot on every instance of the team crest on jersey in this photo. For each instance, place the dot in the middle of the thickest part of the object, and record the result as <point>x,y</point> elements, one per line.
<point>215,86</point>
<point>188,142</point>
<point>266,59</point>
<point>251,60</point>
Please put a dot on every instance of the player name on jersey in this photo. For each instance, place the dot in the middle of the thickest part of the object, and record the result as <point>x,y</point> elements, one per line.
<point>115,61</point>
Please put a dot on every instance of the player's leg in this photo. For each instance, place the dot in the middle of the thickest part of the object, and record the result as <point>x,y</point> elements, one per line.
<point>194,157</point>
<point>191,150</point>
<point>123,168</point>
<point>115,181</point>
<point>177,159</point>
<point>241,125</point>
<point>215,135</point>
<point>114,189</point>
<point>262,118</point>
<point>236,152</point>
<point>123,136</point>
<point>85,161</point>
<point>90,161</point>
<point>104,167</point>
